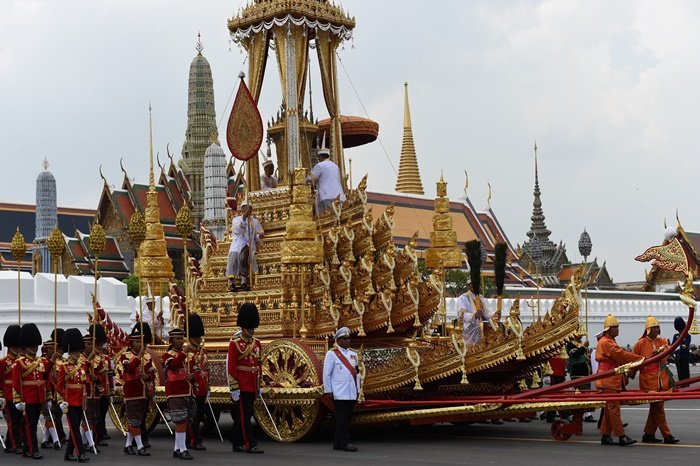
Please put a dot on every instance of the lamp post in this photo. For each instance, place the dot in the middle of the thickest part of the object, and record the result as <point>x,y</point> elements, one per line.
<point>56,248</point>
<point>18,248</point>
<point>185,224</point>
<point>137,233</point>
<point>584,248</point>
<point>97,245</point>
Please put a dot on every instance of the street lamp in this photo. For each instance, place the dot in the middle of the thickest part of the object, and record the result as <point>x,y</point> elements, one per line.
<point>584,248</point>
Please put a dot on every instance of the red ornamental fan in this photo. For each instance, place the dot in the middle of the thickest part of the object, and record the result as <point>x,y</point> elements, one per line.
<point>244,133</point>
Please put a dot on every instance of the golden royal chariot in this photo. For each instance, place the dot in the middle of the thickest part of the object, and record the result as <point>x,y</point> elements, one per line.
<point>342,268</point>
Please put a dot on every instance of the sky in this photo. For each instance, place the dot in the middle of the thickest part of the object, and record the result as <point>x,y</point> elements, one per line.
<point>609,90</point>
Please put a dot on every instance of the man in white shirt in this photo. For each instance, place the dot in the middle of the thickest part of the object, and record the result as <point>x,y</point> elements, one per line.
<point>474,316</point>
<point>267,180</point>
<point>325,177</point>
<point>246,233</point>
<point>341,381</point>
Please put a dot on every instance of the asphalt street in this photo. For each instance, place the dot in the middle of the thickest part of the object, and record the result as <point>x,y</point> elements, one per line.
<point>510,443</point>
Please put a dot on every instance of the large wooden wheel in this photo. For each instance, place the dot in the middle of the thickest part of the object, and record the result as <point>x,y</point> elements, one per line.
<point>289,365</point>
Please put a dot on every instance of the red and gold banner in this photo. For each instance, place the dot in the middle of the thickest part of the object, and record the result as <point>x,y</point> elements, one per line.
<point>244,133</point>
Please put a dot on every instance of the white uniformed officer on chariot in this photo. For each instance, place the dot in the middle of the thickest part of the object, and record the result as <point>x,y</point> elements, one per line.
<point>341,381</point>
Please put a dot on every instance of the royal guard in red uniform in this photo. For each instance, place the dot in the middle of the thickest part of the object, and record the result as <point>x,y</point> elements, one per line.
<point>244,367</point>
<point>610,356</point>
<point>654,378</point>
<point>52,355</point>
<point>179,368</point>
<point>100,370</point>
<point>92,395</point>
<point>201,379</point>
<point>134,371</point>
<point>13,417</point>
<point>71,388</point>
<point>29,377</point>
<point>107,382</point>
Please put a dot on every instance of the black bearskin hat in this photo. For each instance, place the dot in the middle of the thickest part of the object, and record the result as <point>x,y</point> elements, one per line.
<point>195,325</point>
<point>100,335</point>
<point>147,335</point>
<point>58,338</point>
<point>679,324</point>
<point>73,340</point>
<point>248,316</point>
<point>30,335</point>
<point>499,266</point>
<point>11,338</point>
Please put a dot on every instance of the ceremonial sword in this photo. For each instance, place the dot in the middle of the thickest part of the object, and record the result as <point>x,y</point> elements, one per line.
<point>271,420</point>
<point>216,423</point>
<point>163,417</point>
<point>4,447</point>
<point>87,424</point>
<point>52,422</point>
<point>116,416</point>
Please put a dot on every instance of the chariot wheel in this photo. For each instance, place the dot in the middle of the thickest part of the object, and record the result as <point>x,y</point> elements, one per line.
<point>557,431</point>
<point>289,364</point>
<point>117,413</point>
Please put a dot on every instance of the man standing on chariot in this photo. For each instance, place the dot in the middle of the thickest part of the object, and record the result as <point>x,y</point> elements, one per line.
<point>655,378</point>
<point>471,304</point>
<point>609,356</point>
<point>247,233</point>
<point>325,177</point>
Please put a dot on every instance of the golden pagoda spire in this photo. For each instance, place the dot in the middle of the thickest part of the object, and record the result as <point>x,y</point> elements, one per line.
<point>409,176</point>
<point>153,261</point>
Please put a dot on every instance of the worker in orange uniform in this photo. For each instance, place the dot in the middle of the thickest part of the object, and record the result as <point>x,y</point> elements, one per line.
<point>609,356</point>
<point>71,391</point>
<point>654,378</point>
<point>244,367</point>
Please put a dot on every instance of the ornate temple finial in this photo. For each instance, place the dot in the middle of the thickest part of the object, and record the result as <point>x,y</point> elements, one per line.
<point>151,179</point>
<point>466,182</point>
<point>442,187</point>
<point>488,199</point>
<point>538,226</point>
<point>45,164</point>
<point>103,177</point>
<point>199,47</point>
<point>409,176</point>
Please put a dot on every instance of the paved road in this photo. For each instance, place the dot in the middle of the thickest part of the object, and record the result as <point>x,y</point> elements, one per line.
<point>510,443</point>
<point>524,443</point>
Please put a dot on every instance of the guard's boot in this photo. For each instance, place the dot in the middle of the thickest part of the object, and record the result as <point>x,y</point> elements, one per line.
<point>607,440</point>
<point>649,438</point>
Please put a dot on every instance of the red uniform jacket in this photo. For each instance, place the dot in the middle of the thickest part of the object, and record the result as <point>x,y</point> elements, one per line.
<point>101,370</point>
<point>128,371</point>
<point>609,356</point>
<point>174,368</point>
<point>29,376</point>
<point>201,377</point>
<point>72,382</point>
<point>244,364</point>
<point>6,365</point>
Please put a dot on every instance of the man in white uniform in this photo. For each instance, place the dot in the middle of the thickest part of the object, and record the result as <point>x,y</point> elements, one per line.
<point>473,316</point>
<point>325,177</point>
<point>267,180</point>
<point>246,234</point>
<point>341,381</point>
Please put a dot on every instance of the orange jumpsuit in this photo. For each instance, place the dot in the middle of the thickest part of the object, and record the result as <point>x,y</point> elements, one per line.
<point>654,378</point>
<point>609,356</point>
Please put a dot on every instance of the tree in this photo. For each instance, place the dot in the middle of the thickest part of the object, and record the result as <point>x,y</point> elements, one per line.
<point>132,285</point>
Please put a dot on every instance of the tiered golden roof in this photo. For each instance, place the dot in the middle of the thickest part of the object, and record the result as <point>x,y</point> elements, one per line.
<point>443,251</point>
<point>153,262</point>
<point>409,176</point>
